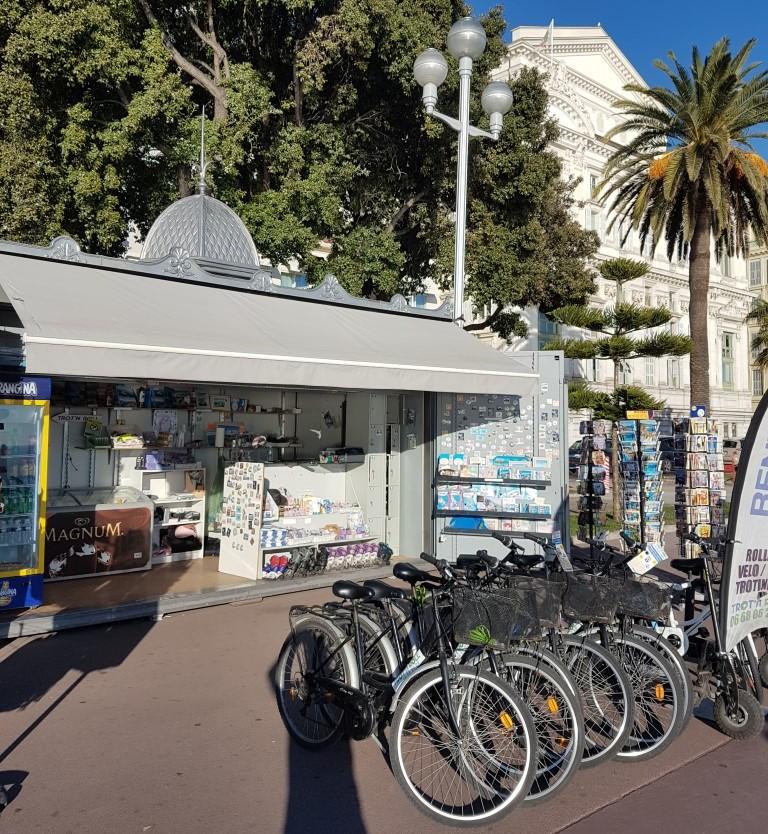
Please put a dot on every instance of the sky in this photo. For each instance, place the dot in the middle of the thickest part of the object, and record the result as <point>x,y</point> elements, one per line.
<point>647,30</point>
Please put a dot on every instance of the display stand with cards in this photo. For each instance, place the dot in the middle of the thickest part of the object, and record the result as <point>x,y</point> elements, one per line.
<point>641,479</point>
<point>699,482</point>
<point>594,477</point>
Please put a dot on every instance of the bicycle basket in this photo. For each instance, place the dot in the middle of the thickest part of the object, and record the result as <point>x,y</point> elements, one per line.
<point>495,618</point>
<point>548,595</point>
<point>644,599</point>
<point>590,599</point>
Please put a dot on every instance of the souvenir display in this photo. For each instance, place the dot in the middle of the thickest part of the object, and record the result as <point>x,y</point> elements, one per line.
<point>699,482</point>
<point>594,477</point>
<point>642,482</point>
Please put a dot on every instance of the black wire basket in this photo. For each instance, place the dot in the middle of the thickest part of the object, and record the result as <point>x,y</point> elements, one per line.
<point>548,594</point>
<point>495,619</point>
<point>644,599</point>
<point>590,599</point>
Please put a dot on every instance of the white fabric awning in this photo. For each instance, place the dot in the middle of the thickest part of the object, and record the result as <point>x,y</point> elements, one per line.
<point>88,321</point>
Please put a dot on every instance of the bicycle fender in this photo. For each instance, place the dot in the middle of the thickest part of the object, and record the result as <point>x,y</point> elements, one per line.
<point>401,683</point>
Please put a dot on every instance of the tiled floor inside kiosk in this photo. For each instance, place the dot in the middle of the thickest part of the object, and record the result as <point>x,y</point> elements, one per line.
<point>196,583</point>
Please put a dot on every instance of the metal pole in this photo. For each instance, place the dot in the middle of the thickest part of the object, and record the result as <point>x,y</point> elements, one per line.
<point>465,74</point>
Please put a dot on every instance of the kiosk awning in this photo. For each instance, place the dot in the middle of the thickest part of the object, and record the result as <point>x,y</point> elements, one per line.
<point>88,321</point>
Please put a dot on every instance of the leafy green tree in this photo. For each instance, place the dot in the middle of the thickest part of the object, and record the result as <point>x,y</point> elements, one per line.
<point>758,315</point>
<point>317,133</point>
<point>611,405</point>
<point>616,338</point>
<point>689,175</point>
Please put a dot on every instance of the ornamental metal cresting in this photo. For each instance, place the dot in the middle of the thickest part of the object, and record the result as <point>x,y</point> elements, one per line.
<point>744,588</point>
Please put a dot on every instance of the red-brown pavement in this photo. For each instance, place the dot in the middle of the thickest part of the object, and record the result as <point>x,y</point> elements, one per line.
<point>171,728</point>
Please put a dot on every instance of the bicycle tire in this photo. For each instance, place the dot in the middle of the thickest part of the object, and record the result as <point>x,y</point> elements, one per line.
<point>658,716</point>
<point>292,686</point>
<point>491,770</point>
<point>608,706</point>
<point>557,717</point>
<point>663,645</point>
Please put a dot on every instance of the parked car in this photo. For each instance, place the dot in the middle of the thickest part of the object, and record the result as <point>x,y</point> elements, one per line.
<point>732,450</point>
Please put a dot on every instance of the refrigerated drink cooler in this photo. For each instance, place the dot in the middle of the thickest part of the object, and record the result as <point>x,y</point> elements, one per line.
<point>24,415</point>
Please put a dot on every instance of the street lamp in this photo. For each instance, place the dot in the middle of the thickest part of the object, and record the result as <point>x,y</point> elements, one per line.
<point>466,42</point>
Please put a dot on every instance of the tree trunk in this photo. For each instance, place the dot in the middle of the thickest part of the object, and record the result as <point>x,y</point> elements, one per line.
<point>615,451</point>
<point>698,281</point>
<point>183,177</point>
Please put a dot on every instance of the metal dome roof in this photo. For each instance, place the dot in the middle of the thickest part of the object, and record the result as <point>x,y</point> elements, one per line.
<point>203,227</point>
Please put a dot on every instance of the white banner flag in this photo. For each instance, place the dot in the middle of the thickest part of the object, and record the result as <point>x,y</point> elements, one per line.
<point>744,587</point>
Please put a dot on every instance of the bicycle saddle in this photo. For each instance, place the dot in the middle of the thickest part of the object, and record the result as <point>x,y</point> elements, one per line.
<point>523,560</point>
<point>411,574</point>
<point>383,591</point>
<point>475,560</point>
<point>688,565</point>
<point>350,590</point>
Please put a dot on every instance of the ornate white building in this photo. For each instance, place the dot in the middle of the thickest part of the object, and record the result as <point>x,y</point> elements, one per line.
<point>586,72</point>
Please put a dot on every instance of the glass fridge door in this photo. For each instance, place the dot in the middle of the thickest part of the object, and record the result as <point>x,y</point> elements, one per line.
<point>20,489</point>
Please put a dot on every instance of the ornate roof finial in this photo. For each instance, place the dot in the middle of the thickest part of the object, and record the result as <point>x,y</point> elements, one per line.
<point>203,164</point>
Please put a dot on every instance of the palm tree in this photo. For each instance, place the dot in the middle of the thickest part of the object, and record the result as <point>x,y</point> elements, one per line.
<point>689,175</point>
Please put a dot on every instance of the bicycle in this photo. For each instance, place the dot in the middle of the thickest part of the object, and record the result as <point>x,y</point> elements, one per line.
<point>461,743</point>
<point>593,674</point>
<point>661,702</point>
<point>731,677</point>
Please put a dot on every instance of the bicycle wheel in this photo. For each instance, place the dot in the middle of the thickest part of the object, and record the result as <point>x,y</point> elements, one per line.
<point>379,653</point>
<point>658,717</point>
<point>557,717</point>
<point>480,774</point>
<point>315,649</point>
<point>671,654</point>
<point>606,697</point>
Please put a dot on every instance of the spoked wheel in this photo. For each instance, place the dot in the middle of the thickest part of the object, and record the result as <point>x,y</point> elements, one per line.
<point>739,722</point>
<point>557,717</point>
<point>606,697</point>
<point>481,774</point>
<point>315,650</point>
<point>659,695</point>
<point>661,644</point>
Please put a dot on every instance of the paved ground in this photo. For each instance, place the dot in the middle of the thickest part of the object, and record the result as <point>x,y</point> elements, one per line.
<point>171,727</point>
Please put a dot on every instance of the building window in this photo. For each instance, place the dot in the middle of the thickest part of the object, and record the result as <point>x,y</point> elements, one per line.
<point>757,382</point>
<point>593,220</point>
<point>548,329</point>
<point>733,430</point>
<point>650,370</point>
<point>755,273</point>
<point>727,359</point>
<point>726,430</point>
<point>672,302</point>
<point>648,300</point>
<point>625,373</point>
<point>673,373</point>
<point>725,266</point>
<point>592,184</point>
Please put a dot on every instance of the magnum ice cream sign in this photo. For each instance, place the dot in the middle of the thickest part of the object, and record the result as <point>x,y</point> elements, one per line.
<point>84,543</point>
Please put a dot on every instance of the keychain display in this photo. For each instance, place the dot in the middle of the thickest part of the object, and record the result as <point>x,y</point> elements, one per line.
<point>594,475</point>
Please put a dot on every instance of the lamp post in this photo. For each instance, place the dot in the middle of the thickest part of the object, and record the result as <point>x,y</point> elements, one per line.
<point>466,42</point>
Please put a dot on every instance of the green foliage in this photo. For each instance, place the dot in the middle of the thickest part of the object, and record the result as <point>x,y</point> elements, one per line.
<point>690,153</point>
<point>611,406</point>
<point>318,132</point>
<point>689,172</point>
<point>622,270</point>
<point>759,344</point>
<point>480,635</point>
